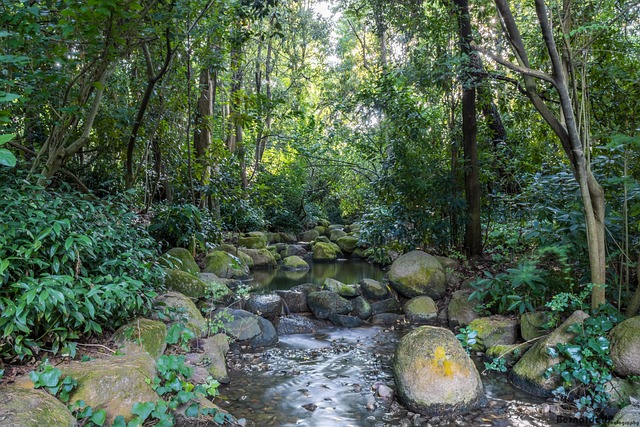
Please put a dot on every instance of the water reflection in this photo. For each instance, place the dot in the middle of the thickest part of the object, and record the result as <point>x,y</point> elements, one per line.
<point>348,272</point>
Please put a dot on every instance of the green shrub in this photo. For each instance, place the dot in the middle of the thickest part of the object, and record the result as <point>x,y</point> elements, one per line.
<point>182,225</point>
<point>68,267</point>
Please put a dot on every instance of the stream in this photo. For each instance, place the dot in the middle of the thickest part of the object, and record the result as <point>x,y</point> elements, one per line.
<point>329,378</point>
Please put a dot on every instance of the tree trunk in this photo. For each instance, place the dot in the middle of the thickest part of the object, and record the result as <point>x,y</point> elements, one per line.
<point>473,232</point>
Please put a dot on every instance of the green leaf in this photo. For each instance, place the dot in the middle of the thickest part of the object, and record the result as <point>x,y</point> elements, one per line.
<point>143,410</point>
<point>99,417</point>
<point>7,158</point>
<point>192,410</point>
<point>6,138</point>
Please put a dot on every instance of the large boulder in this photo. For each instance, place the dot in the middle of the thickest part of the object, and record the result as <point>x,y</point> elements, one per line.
<point>434,375</point>
<point>185,283</point>
<point>323,252</point>
<point>268,306</point>
<point>495,330</point>
<point>529,373</point>
<point>173,307</point>
<point>336,234</point>
<point>325,303</point>
<point>532,324</point>
<point>213,357</point>
<point>268,335</point>
<point>232,250</point>
<point>308,236</point>
<point>625,347</point>
<point>217,289</point>
<point>417,273</point>
<point>225,265</point>
<point>294,263</point>
<point>24,407</point>
<point>347,244</point>
<point>257,241</point>
<point>150,335</point>
<point>262,258</point>
<point>115,383</point>
<point>421,310</point>
<point>374,290</point>
<point>461,311</point>
<point>289,325</point>
<point>291,250</point>
<point>180,259</point>
<point>346,321</point>
<point>242,325</point>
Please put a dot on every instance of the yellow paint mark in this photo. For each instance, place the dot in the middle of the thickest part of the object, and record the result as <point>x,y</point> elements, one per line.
<point>439,354</point>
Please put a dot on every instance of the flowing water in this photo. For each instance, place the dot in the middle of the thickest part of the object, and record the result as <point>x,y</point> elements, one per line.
<point>330,378</point>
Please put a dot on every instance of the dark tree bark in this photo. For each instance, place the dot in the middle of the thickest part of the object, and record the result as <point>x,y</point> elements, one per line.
<point>473,232</point>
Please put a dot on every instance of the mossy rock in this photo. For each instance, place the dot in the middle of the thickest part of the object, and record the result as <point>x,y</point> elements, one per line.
<point>293,263</point>
<point>320,229</point>
<point>179,259</point>
<point>114,383</point>
<point>625,347</point>
<point>321,239</point>
<point>239,324</point>
<point>213,357</point>
<point>347,244</point>
<point>232,250</point>
<point>374,290</point>
<point>151,335</point>
<point>217,290</point>
<point>253,242</point>
<point>448,263</point>
<point>622,391</point>
<point>262,258</point>
<point>461,311</point>
<point>225,266</point>
<point>347,291</point>
<point>417,273</point>
<point>324,222</point>
<point>361,308</point>
<point>177,308</point>
<point>294,250</point>
<point>325,303</point>
<point>288,237</point>
<point>434,375</point>
<point>24,407</point>
<point>495,330</point>
<point>421,310</point>
<point>529,373</point>
<point>532,324</point>
<point>308,236</point>
<point>185,283</point>
<point>336,234</point>
<point>324,252</point>
<point>359,253</point>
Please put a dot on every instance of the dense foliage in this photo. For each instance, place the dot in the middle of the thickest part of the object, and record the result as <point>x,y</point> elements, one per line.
<point>69,266</point>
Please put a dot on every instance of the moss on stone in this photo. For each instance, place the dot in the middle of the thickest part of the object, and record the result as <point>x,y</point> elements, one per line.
<point>24,407</point>
<point>179,259</point>
<point>325,252</point>
<point>417,273</point>
<point>185,283</point>
<point>149,334</point>
<point>292,263</point>
<point>225,265</point>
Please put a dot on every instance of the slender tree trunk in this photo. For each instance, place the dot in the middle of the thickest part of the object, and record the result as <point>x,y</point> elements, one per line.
<point>473,232</point>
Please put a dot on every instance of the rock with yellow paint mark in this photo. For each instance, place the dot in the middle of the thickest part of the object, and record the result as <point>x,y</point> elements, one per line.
<point>434,375</point>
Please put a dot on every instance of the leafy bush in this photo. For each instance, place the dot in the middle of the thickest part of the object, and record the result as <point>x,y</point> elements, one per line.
<point>526,286</point>
<point>586,363</point>
<point>182,225</point>
<point>68,266</point>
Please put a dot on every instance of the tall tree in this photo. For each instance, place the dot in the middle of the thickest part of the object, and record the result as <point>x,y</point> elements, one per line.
<point>562,121</point>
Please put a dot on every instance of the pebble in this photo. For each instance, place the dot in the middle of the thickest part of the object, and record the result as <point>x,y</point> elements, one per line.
<point>310,407</point>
